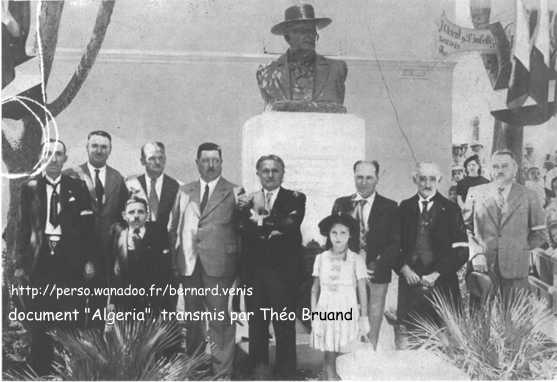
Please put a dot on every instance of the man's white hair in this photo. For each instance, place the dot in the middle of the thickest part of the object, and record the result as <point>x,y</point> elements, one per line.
<point>422,164</point>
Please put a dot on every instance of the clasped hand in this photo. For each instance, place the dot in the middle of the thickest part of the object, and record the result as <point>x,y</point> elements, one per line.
<point>413,279</point>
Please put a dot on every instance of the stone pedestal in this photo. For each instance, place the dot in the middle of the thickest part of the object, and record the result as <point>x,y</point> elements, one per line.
<point>318,149</point>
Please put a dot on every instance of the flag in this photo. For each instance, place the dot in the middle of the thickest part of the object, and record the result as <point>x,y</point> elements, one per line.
<point>22,93</point>
<point>520,75</point>
<point>531,95</point>
<point>539,59</point>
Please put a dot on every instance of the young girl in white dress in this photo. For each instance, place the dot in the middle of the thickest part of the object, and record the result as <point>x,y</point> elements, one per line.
<point>338,274</point>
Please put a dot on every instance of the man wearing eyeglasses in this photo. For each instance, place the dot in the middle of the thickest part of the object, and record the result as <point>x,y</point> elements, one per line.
<point>433,247</point>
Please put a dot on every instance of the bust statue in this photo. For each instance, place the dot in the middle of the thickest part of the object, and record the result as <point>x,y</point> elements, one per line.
<point>301,79</point>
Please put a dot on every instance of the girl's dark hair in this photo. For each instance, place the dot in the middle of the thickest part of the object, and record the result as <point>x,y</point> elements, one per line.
<point>473,158</point>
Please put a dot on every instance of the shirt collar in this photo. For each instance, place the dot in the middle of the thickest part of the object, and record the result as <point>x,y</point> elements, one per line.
<point>274,192</point>
<point>141,231</point>
<point>211,184</point>
<point>428,199</point>
<point>53,181</point>
<point>93,168</point>
<point>369,199</point>
<point>157,180</point>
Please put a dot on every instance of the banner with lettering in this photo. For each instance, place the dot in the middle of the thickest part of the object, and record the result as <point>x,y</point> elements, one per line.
<point>452,38</point>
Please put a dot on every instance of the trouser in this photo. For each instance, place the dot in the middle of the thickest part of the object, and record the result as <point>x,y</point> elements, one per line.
<point>276,290</point>
<point>221,334</point>
<point>51,269</point>
<point>376,307</point>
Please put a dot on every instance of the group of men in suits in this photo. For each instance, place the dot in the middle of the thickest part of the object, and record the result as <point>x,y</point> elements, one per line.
<point>423,240</point>
<point>426,239</point>
<point>89,226</point>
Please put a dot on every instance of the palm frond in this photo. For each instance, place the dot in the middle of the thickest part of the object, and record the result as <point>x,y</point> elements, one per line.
<point>502,338</point>
<point>133,350</point>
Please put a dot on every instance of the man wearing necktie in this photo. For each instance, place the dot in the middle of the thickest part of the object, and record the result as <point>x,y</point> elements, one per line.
<point>215,251</point>
<point>161,191</point>
<point>142,258</point>
<point>54,246</point>
<point>109,194</point>
<point>272,249</point>
<point>433,247</point>
<point>504,221</point>
<point>379,238</point>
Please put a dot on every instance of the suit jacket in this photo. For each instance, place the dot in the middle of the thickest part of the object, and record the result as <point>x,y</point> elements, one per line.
<point>447,236</point>
<point>115,195</point>
<point>215,240</point>
<point>76,222</point>
<point>282,252</point>
<point>155,252</point>
<point>330,75</point>
<point>167,199</point>
<point>522,227</point>
<point>155,259</point>
<point>383,236</point>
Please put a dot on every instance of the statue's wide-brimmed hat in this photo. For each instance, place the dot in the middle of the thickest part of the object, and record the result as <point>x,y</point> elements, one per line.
<point>300,14</point>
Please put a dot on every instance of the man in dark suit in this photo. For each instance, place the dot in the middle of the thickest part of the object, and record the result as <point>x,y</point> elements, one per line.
<point>378,240</point>
<point>108,194</point>
<point>54,246</point>
<point>107,189</point>
<point>212,200</point>
<point>157,188</point>
<point>434,246</point>
<point>300,79</point>
<point>272,240</point>
<point>142,258</point>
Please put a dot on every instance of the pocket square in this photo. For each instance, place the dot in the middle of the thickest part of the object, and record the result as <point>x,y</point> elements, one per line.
<point>86,212</point>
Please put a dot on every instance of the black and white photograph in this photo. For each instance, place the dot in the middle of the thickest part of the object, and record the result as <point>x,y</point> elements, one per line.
<point>279,190</point>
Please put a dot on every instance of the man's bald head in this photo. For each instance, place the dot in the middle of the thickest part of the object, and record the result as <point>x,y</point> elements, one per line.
<point>153,158</point>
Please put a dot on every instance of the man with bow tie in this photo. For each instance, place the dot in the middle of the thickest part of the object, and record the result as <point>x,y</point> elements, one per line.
<point>54,246</point>
<point>504,221</point>
<point>378,240</point>
<point>272,245</point>
<point>433,247</point>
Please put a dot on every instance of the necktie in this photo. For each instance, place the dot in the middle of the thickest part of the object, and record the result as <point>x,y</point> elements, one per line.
<point>204,199</point>
<point>54,199</point>
<point>99,189</point>
<point>500,202</point>
<point>268,198</point>
<point>424,207</point>
<point>136,238</point>
<point>153,201</point>
<point>362,223</point>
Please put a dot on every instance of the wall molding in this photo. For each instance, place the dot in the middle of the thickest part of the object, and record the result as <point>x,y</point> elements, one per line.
<point>407,68</point>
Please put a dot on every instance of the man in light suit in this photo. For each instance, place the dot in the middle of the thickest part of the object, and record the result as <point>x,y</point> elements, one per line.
<point>300,79</point>
<point>157,188</point>
<point>504,221</point>
<point>109,194</point>
<point>55,245</point>
<point>211,203</point>
<point>379,237</point>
